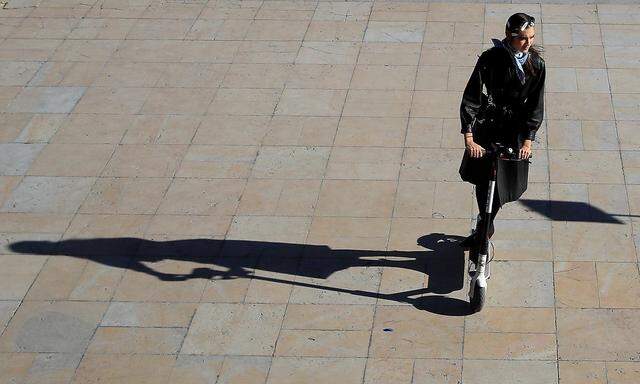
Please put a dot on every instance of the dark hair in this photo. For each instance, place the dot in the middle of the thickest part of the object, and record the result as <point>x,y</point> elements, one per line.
<point>517,23</point>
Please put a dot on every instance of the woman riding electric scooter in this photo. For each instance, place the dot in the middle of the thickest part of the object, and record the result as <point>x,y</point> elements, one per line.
<point>502,108</point>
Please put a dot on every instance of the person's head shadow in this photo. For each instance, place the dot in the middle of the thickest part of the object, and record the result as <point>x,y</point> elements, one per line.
<point>441,259</point>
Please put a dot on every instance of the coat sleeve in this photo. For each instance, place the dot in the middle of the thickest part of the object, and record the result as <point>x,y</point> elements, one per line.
<point>472,98</point>
<point>535,107</point>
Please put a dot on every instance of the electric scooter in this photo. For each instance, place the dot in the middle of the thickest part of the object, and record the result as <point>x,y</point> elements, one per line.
<point>483,250</point>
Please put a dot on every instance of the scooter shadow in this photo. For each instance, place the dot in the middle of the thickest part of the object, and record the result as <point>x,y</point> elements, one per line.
<point>442,260</point>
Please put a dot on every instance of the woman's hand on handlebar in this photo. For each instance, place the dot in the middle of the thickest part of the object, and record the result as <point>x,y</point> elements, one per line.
<point>525,150</point>
<point>475,150</point>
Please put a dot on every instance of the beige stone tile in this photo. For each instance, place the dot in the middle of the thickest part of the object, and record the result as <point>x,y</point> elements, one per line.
<point>320,76</point>
<point>40,367</point>
<point>277,30</point>
<point>196,369</point>
<point>111,29</point>
<point>631,162</point>
<point>311,102</point>
<point>437,371</point>
<point>7,310</point>
<point>394,31</point>
<point>575,56</point>
<point>624,80</point>
<point>318,343</point>
<point>301,131</point>
<point>291,162</point>
<point>229,290</point>
<point>8,26</point>
<point>425,132</point>
<point>71,160</point>
<point>435,104</point>
<point>561,80</point>
<point>218,29</point>
<point>622,372</point>
<point>112,100</point>
<point>378,103</point>
<point>236,130</point>
<point>618,14</point>
<point>572,34</point>
<point>92,129</point>
<point>167,10</point>
<point>343,11</point>
<point>389,54</point>
<point>161,281</point>
<point>289,370</point>
<point>44,28</point>
<point>160,29</point>
<point>587,372</point>
<point>406,231</point>
<point>347,233</point>
<point>518,320</point>
<point>389,371</point>
<point>218,52</point>
<point>14,73</point>
<point>357,163</point>
<point>569,13</point>
<point>356,198</point>
<point>327,279</point>
<point>576,284</point>
<point>267,51</point>
<point>610,198</point>
<point>202,197</point>
<point>621,57</point>
<point>445,54</point>
<point>52,327</point>
<point>136,340</point>
<point>455,12</point>
<point>257,76</point>
<point>383,77</point>
<point>46,99</point>
<point>592,80</point>
<point>320,52</point>
<point>248,329</point>
<point>144,369</point>
<point>575,241</point>
<point>16,159</point>
<point>125,195</point>
<point>189,225</point>
<point>625,106</point>
<point>7,94</point>
<point>582,106</point>
<point>210,161</point>
<point>521,284</point>
<point>328,317</point>
<point>85,50</point>
<point>7,184</point>
<point>28,49</point>
<point>157,51</point>
<point>415,199</point>
<point>430,164</point>
<point>597,334</point>
<point>525,239</point>
<point>161,130</point>
<point>509,371</point>
<point>33,222</point>
<point>432,78</point>
<point>41,128</point>
<point>145,160</point>
<point>279,197</point>
<point>452,200</point>
<point>512,346</point>
<point>535,193</point>
<point>193,75</point>
<point>90,226</point>
<point>369,131</point>
<point>122,314</point>
<point>179,101</point>
<point>244,102</point>
<point>129,74</point>
<point>335,31</point>
<point>618,285</point>
<point>270,284</point>
<point>48,194</point>
<point>269,229</point>
<point>599,135</point>
<point>18,273</point>
<point>245,369</point>
<point>13,124</point>
<point>585,166</point>
<point>410,325</point>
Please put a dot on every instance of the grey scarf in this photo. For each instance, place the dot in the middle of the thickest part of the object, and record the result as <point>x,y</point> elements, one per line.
<point>519,58</point>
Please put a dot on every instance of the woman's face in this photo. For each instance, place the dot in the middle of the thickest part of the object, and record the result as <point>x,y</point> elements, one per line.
<point>524,40</point>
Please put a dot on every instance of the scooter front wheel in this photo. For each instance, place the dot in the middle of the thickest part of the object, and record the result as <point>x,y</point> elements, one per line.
<point>476,301</point>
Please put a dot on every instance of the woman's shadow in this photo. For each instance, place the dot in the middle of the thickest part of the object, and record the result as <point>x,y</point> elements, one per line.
<point>442,260</point>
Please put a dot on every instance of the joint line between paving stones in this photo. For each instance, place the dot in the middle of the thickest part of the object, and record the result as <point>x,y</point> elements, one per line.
<point>300,256</point>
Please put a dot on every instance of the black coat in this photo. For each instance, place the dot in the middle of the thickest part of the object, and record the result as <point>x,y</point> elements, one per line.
<point>497,107</point>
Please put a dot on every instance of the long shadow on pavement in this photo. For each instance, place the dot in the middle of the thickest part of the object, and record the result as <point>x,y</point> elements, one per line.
<point>442,260</point>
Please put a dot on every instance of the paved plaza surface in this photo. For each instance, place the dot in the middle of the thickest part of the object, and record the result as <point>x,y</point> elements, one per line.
<point>219,191</point>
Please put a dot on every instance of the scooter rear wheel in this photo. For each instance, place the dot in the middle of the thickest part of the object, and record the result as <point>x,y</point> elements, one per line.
<point>477,301</point>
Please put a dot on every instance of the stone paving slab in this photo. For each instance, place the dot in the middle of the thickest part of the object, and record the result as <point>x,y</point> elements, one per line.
<point>266,191</point>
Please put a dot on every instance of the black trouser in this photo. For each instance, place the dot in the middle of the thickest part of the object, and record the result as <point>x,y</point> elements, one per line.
<point>481,197</point>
